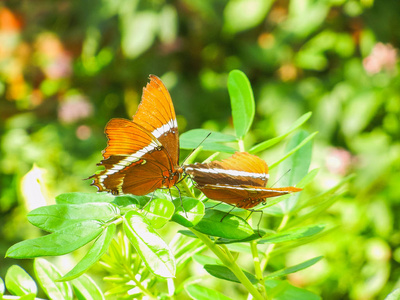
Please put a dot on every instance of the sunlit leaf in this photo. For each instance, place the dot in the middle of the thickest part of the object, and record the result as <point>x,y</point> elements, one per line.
<point>269,143</point>
<point>191,213</point>
<point>154,252</point>
<point>242,102</point>
<point>47,274</point>
<point>217,223</point>
<point>198,292</point>
<point>2,287</point>
<point>158,212</point>
<point>55,217</point>
<point>293,234</point>
<point>58,243</point>
<point>79,198</point>
<point>241,15</point>
<point>18,282</point>
<point>283,290</point>
<point>223,272</point>
<point>86,289</point>
<point>293,269</point>
<point>97,250</point>
<point>208,139</point>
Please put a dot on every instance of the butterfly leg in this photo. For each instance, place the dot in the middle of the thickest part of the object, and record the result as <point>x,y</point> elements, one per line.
<point>180,197</point>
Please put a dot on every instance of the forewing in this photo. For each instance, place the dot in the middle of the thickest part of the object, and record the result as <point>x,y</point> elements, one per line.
<point>157,115</point>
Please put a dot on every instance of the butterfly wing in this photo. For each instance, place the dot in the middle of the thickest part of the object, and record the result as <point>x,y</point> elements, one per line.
<point>156,114</point>
<point>135,161</point>
<point>243,196</point>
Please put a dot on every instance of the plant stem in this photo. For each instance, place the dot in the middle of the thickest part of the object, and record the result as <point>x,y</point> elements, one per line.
<point>138,284</point>
<point>187,189</point>
<point>230,264</point>
<point>241,145</point>
<point>271,247</point>
<point>257,266</point>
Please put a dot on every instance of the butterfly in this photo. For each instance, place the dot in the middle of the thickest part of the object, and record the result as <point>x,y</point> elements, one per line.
<point>142,155</point>
<point>239,180</point>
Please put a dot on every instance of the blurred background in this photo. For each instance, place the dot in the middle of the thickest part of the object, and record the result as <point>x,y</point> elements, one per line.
<point>67,67</point>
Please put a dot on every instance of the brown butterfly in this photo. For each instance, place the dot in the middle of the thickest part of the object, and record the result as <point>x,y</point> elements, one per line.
<point>142,154</point>
<point>239,180</point>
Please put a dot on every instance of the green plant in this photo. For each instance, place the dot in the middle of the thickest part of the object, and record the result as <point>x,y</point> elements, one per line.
<point>139,261</point>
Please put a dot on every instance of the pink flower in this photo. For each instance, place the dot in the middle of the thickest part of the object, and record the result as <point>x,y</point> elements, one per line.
<point>338,161</point>
<point>74,108</point>
<point>382,57</point>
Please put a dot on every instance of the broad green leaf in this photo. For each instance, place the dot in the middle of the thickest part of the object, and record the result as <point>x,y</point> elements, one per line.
<point>58,243</point>
<point>283,290</point>
<point>394,295</point>
<point>191,214</point>
<point>138,33</point>
<point>269,143</point>
<point>168,24</point>
<point>55,217</point>
<point>128,200</point>
<point>47,274</point>
<point>298,164</point>
<point>198,292</point>
<point>223,272</point>
<point>218,223</point>
<point>2,287</point>
<point>158,212</point>
<point>293,234</point>
<point>320,202</point>
<point>79,198</point>
<point>242,102</point>
<point>206,260</point>
<point>241,15</point>
<point>308,178</point>
<point>97,250</point>
<point>154,252</point>
<point>208,139</point>
<point>299,146</point>
<point>255,236</point>
<point>293,269</point>
<point>86,289</point>
<point>18,282</point>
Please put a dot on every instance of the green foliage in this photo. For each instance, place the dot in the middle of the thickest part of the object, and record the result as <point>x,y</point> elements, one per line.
<point>65,74</point>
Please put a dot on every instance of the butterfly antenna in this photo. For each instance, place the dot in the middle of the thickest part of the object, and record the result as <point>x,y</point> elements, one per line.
<point>281,177</point>
<point>194,149</point>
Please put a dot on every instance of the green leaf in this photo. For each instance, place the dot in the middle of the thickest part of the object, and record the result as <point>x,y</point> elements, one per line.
<point>293,234</point>
<point>242,102</point>
<point>55,217</point>
<point>223,272</point>
<point>206,260</point>
<point>293,269</point>
<point>269,143</point>
<point>191,214</point>
<point>198,292</point>
<point>138,33</point>
<point>307,179</point>
<point>158,212</point>
<point>241,15</point>
<point>2,287</point>
<point>97,250</point>
<point>86,289</point>
<point>18,282</point>
<point>58,243</point>
<point>193,138</point>
<point>298,164</point>
<point>79,198</point>
<point>255,236</point>
<point>283,290</point>
<point>294,150</point>
<point>218,223</point>
<point>154,252</point>
<point>394,295</point>
<point>47,274</point>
